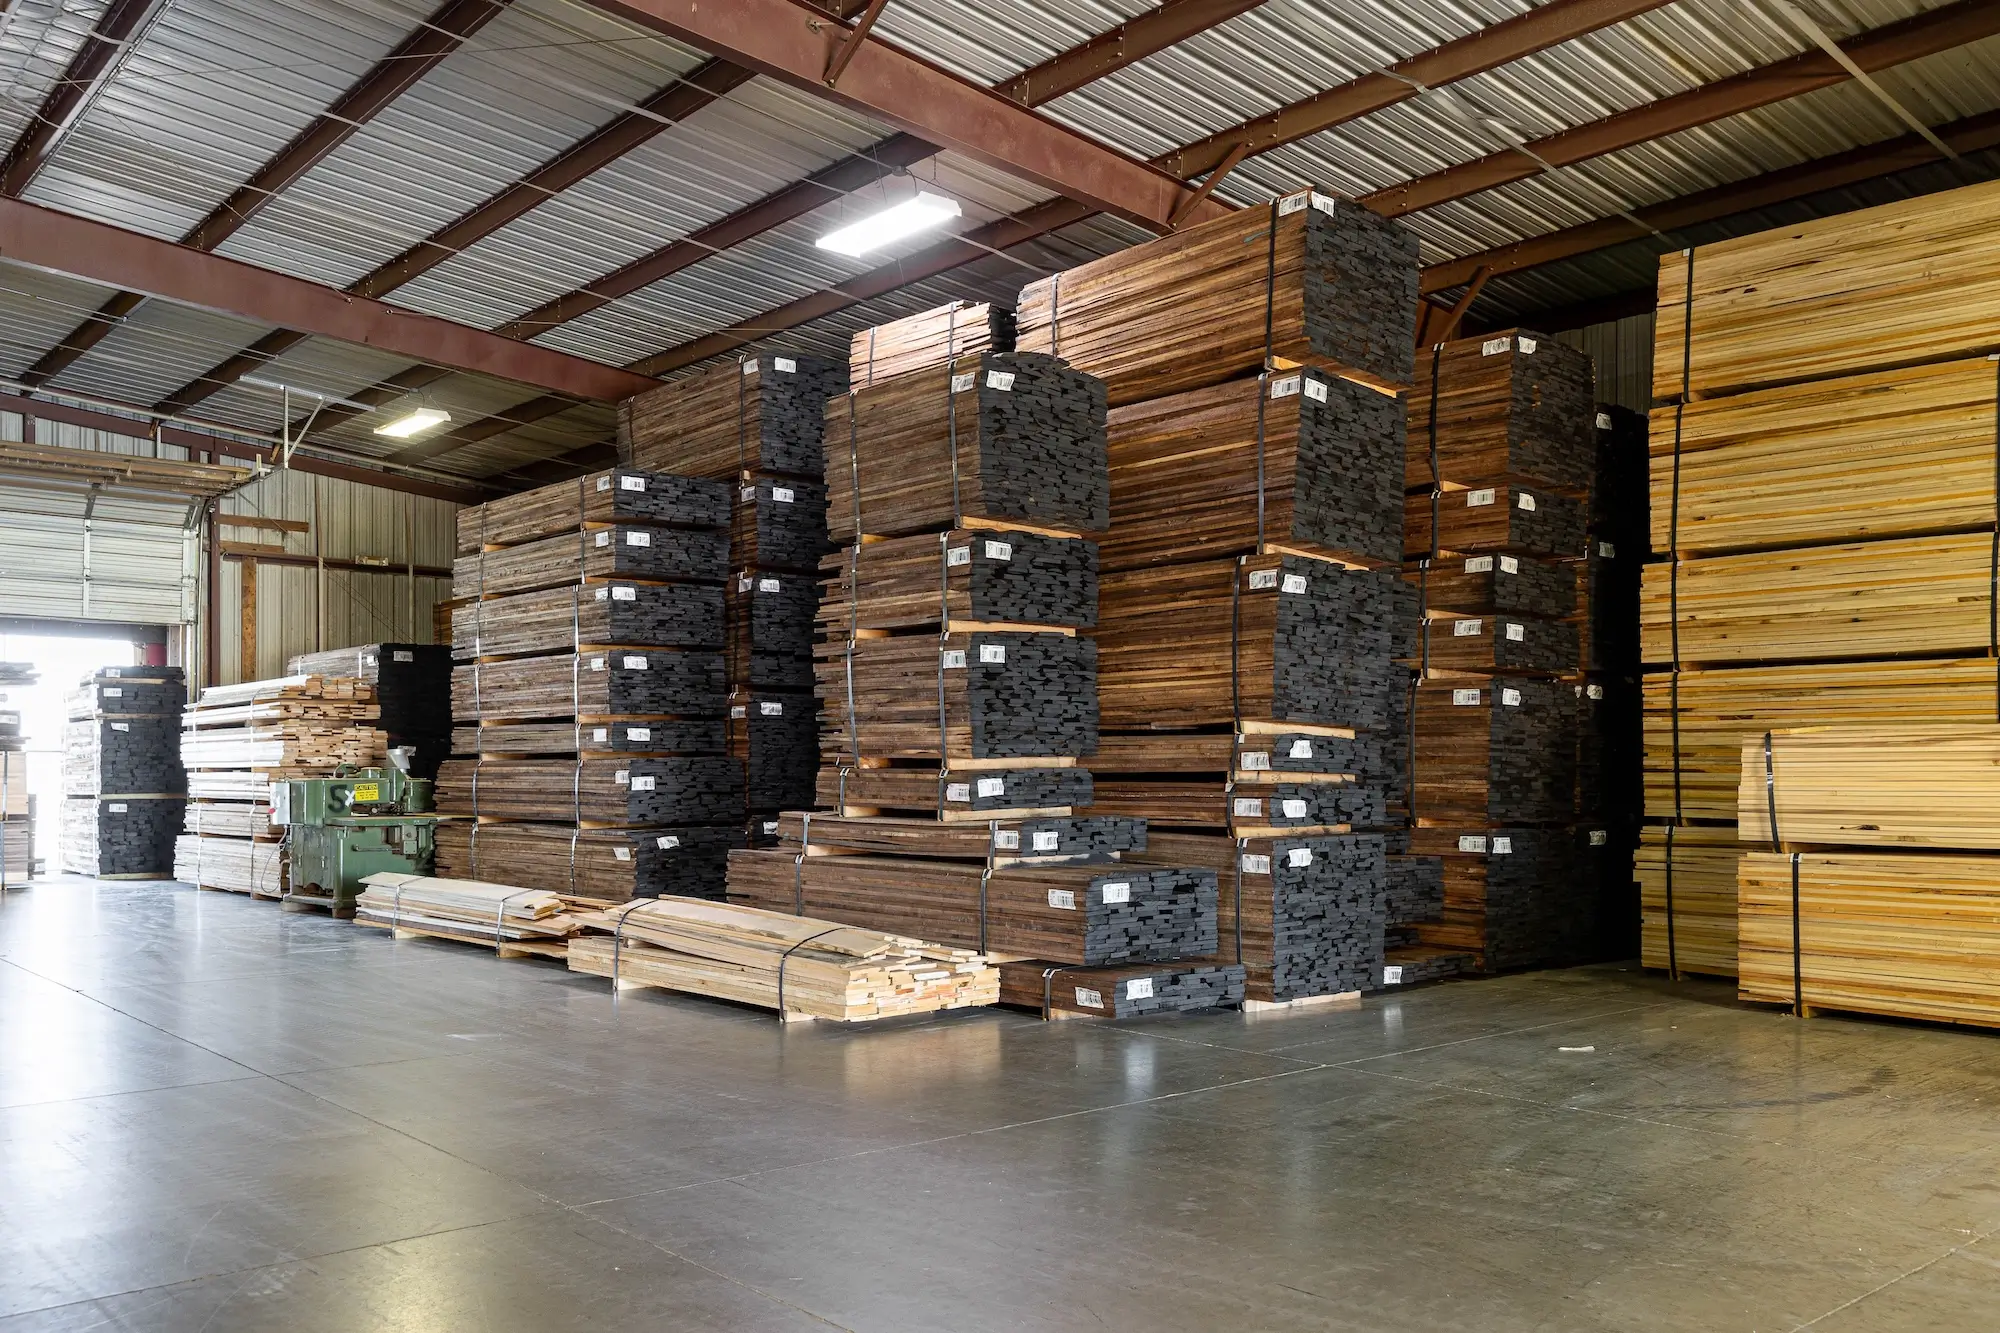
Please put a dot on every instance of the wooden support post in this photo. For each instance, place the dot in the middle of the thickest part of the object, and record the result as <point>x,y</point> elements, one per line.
<point>248,665</point>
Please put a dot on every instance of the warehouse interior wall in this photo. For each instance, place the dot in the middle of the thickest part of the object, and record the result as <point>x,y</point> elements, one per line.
<point>1623,351</point>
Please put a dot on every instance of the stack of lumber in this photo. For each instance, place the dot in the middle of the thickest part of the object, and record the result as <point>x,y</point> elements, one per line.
<point>1312,280</point>
<point>1005,841</point>
<point>1823,497</point>
<point>961,577</point>
<point>801,967</point>
<point>412,688</point>
<point>236,741</point>
<point>928,338</point>
<point>1132,991</point>
<point>1880,888</point>
<point>17,849</point>
<point>513,919</point>
<point>1503,468</point>
<point>124,787</point>
<point>762,415</point>
<point>770,630</point>
<point>17,807</point>
<point>779,523</point>
<point>1415,893</point>
<point>592,704</point>
<point>776,738</point>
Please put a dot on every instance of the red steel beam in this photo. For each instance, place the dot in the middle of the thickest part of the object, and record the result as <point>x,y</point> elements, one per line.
<point>65,243</point>
<point>792,42</point>
<point>390,77</point>
<point>595,151</point>
<point>1927,34</point>
<point>74,92</point>
<point>1130,42</point>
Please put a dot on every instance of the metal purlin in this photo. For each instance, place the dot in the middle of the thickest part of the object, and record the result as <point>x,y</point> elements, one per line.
<point>786,957</point>
<point>1674,591</point>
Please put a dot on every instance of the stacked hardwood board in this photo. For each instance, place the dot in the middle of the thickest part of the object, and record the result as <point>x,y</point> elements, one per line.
<point>124,787</point>
<point>412,688</point>
<point>238,740</point>
<point>591,751</point>
<point>1823,506</point>
<point>1507,463</point>
<point>17,806</point>
<point>757,425</point>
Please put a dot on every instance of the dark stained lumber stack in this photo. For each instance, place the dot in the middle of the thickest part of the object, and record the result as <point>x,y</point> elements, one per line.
<point>1495,750</point>
<point>779,524</point>
<point>976,792</point>
<point>762,415</point>
<point>1310,279</point>
<point>963,577</point>
<point>776,736</point>
<point>124,788</point>
<point>592,698</point>
<point>928,338</point>
<point>1514,897</point>
<point>1005,841</point>
<point>1513,405</point>
<point>1131,991</point>
<point>412,688</point>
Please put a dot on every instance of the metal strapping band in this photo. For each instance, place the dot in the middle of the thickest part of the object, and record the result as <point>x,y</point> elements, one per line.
<point>741,408</point>
<point>1437,481</point>
<point>1673,957</point>
<point>574,834</point>
<point>786,957</point>
<point>1055,314</point>
<point>1771,791</point>
<point>1263,393</point>
<point>944,637</point>
<point>951,422</point>
<point>985,878</point>
<point>500,915</point>
<point>576,788</point>
<point>1235,646</point>
<point>1241,845</point>
<point>472,849</point>
<point>1798,948</point>
<point>477,765</point>
<point>1048,989</point>
<point>871,357</point>
<point>1674,535</point>
<point>396,908</point>
<point>618,941</point>
<point>805,849</point>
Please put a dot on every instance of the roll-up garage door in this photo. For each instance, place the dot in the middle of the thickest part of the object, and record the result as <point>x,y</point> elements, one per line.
<point>97,556</point>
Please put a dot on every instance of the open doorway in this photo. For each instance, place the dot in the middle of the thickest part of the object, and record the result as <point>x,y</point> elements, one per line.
<point>61,660</point>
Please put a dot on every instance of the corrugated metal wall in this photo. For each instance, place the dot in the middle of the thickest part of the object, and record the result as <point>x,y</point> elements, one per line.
<point>1623,351</point>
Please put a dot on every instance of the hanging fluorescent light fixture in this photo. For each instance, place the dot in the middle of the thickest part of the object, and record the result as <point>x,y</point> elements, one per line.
<point>890,225</point>
<point>403,427</point>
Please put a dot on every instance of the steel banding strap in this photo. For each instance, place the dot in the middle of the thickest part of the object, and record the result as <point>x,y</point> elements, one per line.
<point>574,834</point>
<point>840,793</point>
<point>500,915</point>
<point>944,637</point>
<point>871,358</point>
<point>576,788</point>
<point>786,957</point>
<point>618,942</point>
<point>1771,791</point>
<point>805,841</point>
<point>1235,647</point>
<point>1674,534</point>
<point>1798,948</point>
<point>1437,481</point>
<point>1242,846</point>
<point>396,908</point>
<point>951,422</point>
<point>985,876</point>
<point>1055,314</point>
<point>743,368</point>
<point>1048,989</point>
<point>472,849</point>
<point>1673,958</point>
<point>854,573</point>
<point>477,765</point>
<point>1264,376</point>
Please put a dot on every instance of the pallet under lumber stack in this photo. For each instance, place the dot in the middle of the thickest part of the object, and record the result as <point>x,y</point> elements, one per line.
<point>1246,625</point>
<point>1823,517</point>
<point>1501,467</point>
<point>757,425</point>
<point>124,788</point>
<point>17,807</point>
<point>591,751</point>
<point>238,740</point>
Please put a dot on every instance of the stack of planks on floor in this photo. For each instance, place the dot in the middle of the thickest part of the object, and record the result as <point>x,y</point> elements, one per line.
<point>756,425</point>
<point>1823,516</point>
<point>1870,879</point>
<point>591,755</point>
<point>1250,598</point>
<point>17,806</point>
<point>412,688</point>
<point>124,788</point>
<point>1515,509</point>
<point>236,741</point>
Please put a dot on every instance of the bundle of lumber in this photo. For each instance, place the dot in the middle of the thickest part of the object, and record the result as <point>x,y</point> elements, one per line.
<point>928,338</point>
<point>1606,622</point>
<point>1300,461</point>
<point>608,684</point>
<point>959,696</point>
<point>771,614</point>
<point>289,726</point>
<point>1513,405</point>
<point>977,792</point>
<point>624,792</point>
<point>1003,841</point>
<point>624,552</point>
<point>608,864</point>
<point>233,865</point>
<point>123,754</point>
<point>523,920</point>
<point>1313,280</point>
<point>129,837</point>
<point>1132,991</point>
<point>14,795</point>
<point>1514,896</point>
<point>1303,916</point>
<point>779,524</point>
<point>1477,585</point>
<point>602,499</point>
<point>1414,888</point>
<point>777,739</point>
<point>231,819</point>
<point>412,688</point>
<point>587,616</point>
<point>1213,802</point>
<point>1510,516</point>
<point>1481,646</point>
<point>122,690</point>
<point>1333,754</point>
<point>1274,638</point>
<point>1609,751</point>
<point>17,850</point>
<point>994,440</point>
<point>961,578</point>
<point>798,966</point>
<point>1910,787</point>
<point>761,414</point>
<point>1912,936</point>
<point>1081,914</point>
<point>1897,284</point>
<point>1501,751</point>
<point>520,740</point>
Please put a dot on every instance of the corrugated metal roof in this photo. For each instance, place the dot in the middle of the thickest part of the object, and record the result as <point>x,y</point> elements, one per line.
<point>216,86</point>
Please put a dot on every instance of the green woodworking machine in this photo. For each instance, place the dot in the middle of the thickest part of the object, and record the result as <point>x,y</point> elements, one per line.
<point>342,828</point>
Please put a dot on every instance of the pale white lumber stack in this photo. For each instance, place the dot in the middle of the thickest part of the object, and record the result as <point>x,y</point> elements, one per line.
<point>521,919</point>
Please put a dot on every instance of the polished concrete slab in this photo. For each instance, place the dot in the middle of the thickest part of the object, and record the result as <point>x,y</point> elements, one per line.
<point>218,1116</point>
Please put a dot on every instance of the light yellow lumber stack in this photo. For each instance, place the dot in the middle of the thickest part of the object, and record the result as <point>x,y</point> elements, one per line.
<point>1703,860</point>
<point>1910,787</point>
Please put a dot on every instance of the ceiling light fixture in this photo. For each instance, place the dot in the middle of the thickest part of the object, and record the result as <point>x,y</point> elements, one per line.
<point>403,427</point>
<point>890,225</point>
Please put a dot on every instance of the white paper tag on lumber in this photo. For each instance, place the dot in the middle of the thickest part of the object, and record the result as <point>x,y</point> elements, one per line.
<point>1118,891</point>
<point>1139,988</point>
<point>770,828</point>
<point>668,842</point>
<point>638,733</point>
<point>768,585</point>
<point>1465,629</point>
<point>739,710</point>
<point>600,733</point>
<point>1502,846</point>
<point>954,659</point>
<point>1299,856</point>
<point>1476,499</point>
<point>747,494</point>
<point>750,366</point>
<point>621,593</point>
<point>957,555</point>
<point>1510,698</point>
<point>1392,975</point>
<point>635,664</point>
<point>770,708</point>
<point>1294,808</point>
<point>1286,387</point>
<point>1604,421</point>
<point>1089,998</point>
<point>597,664</point>
<point>1316,391</point>
<point>963,383</point>
<point>1293,204</point>
<point>643,784</point>
<point>1006,840</point>
<point>1523,500</point>
<point>1478,564</point>
<point>622,776</point>
<point>1471,842</point>
<point>1244,807</point>
<point>1607,550</point>
<point>994,654</point>
<point>114,692</point>
<point>1528,345</point>
<point>958,791</point>
<point>1046,840</point>
<point>604,483</point>
<point>117,807</point>
<point>1263,578</point>
<point>1063,898</point>
<point>1462,698</point>
<point>1255,760</point>
<point>1516,633</point>
<point>1495,346</point>
<point>782,494</point>
<point>1002,380</point>
<point>1599,837</point>
<point>785,364</point>
<point>1254,863</point>
<point>1302,749</point>
<point>621,853</point>
<point>743,582</point>
<point>121,726</point>
<point>631,483</point>
<point>403,656</point>
<point>1293,583</point>
<point>999,551</point>
<point>1594,691</point>
<point>991,786</point>
<point>638,538</point>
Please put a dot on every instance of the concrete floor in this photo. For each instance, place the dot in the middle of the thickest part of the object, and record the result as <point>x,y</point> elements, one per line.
<point>217,1116</point>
